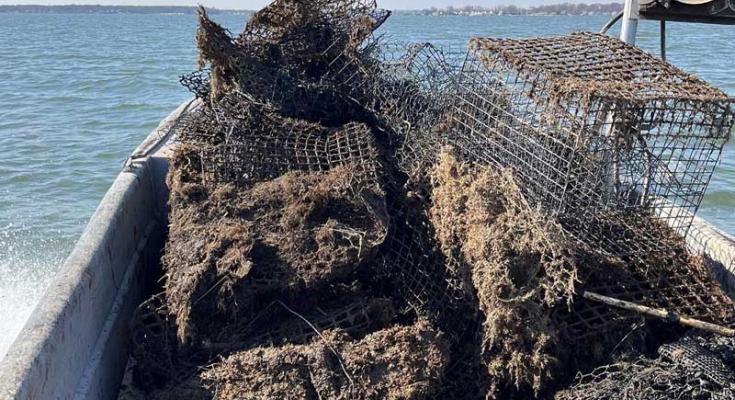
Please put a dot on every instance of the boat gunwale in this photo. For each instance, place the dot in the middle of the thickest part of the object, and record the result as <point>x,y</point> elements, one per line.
<point>52,354</point>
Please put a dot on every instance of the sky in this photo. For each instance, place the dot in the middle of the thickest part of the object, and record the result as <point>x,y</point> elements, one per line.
<point>256,4</point>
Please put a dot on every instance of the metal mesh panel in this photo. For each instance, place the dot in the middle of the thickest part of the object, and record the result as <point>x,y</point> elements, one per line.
<point>241,142</point>
<point>273,155</point>
<point>419,276</point>
<point>296,24</point>
<point>642,380</point>
<point>308,58</point>
<point>692,356</point>
<point>411,91</point>
<point>161,360</point>
<point>681,284</point>
<point>417,270</point>
<point>611,142</point>
<point>356,318</point>
<point>414,97</point>
<point>197,83</point>
<point>596,129</point>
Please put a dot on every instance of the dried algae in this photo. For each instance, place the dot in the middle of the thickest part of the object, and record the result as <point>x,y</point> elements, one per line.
<point>230,250</point>
<point>518,263</point>
<point>396,363</point>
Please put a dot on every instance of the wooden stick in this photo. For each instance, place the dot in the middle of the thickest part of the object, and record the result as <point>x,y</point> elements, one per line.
<point>660,313</point>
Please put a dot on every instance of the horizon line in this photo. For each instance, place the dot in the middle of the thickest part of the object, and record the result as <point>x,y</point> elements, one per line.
<point>561,2</point>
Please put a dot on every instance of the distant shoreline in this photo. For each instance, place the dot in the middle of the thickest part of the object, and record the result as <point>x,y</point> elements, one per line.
<point>99,9</point>
<point>543,10</point>
<point>547,10</point>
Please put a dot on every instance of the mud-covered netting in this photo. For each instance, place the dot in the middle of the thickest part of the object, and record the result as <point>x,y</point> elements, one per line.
<point>288,188</point>
<point>678,282</point>
<point>309,59</point>
<point>516,262</point>
<point>230,250</point>
<point>609,151</point>
<point>240,142</point>
<point>163,362</point>
<point>528,273</point>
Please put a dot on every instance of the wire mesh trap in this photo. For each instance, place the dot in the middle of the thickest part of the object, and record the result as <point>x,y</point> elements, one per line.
<point>594,128</point>
<point>306,58</point>
<point>681,284</point>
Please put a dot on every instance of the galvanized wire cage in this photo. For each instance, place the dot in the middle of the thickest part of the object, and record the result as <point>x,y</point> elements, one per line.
<point>596,130</point>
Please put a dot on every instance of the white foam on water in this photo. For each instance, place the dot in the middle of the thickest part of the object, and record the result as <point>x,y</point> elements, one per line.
<point>26,269</point>
<point>20,289</point>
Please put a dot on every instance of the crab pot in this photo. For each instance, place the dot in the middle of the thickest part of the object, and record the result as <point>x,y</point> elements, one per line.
<point>413,95</point>
<point>595,129</point>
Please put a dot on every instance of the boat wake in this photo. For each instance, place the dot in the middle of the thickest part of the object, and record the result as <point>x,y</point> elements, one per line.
<point>26,269</point>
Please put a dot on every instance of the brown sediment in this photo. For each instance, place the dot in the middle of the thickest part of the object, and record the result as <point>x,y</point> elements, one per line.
<point>395,363</point>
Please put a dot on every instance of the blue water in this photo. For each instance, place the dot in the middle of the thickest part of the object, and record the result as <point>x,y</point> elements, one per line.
<point>79,92</point>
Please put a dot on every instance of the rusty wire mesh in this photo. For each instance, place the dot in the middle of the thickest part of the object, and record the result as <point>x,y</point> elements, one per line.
<point>243,138</point>
<point>412,268</point>
<point>356,318</point>
<point>308,58</point>
<point>161,360</point>
<point>596,129</point>
<point>297,26</point>
<point>247,136</point>
<point>699,360</point>
<point>607,144</point>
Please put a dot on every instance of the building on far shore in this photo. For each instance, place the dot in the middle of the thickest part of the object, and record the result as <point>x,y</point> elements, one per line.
<point>552,9</point>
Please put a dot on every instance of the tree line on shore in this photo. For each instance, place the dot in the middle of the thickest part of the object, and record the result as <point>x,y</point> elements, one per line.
<point>550,9</point>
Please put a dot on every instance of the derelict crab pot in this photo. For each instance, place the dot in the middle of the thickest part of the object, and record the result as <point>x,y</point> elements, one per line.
<point>593,127</point>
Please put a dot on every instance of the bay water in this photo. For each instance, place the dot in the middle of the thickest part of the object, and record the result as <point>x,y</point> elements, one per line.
<point>78,92</point>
